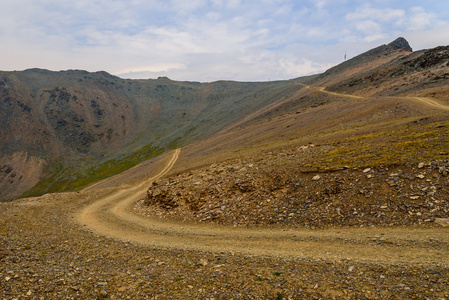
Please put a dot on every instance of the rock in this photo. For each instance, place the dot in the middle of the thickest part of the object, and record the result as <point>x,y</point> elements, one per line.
<point>400,43</point>
<point>103,293</point>
<point>316,177</point>
<point>204,262</point>
<point>442,221</point>
<point>367,170</point>
<point>420,165</point>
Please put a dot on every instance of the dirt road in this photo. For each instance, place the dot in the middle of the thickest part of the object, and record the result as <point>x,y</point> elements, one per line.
<point>422,100</point>
<point>431,102</point>
<point>45,253</point>
<point>113,216</point>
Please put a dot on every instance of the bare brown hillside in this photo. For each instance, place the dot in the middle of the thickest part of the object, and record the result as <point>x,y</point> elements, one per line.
<point>85,127</point>
<point>333,186</point>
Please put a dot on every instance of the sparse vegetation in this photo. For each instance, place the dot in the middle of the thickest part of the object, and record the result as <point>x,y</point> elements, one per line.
<point>404,145</point>
<point>288,184</point>
<point>73,179</point>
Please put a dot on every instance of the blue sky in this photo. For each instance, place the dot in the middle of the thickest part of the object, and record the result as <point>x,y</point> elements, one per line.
<point>208,40</point>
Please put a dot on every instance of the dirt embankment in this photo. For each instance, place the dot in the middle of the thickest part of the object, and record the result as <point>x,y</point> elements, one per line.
<point>117,254</point>
<point>269,191</point>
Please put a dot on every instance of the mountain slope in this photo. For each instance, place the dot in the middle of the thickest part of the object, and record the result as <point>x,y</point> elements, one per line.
<point>84,126</point>
<point>64,130</point>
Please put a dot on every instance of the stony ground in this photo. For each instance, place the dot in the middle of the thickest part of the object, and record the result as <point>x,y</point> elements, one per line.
<point>46,254</point>
<point>271,190</point>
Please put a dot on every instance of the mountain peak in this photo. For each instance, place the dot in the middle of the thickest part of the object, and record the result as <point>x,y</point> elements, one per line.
<point>401,43</point>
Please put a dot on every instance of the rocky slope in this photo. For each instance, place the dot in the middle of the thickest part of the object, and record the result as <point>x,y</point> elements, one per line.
<point>365,62</point>
<point>392,70</point>
<point>275,190</point>
<point>74,121</point>
<point>64,130</point>
<point>58,260</point>
<point>299,163</point>
<point>46,254</point>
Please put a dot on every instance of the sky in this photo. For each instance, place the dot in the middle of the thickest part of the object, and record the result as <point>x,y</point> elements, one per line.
<point>209,40</point>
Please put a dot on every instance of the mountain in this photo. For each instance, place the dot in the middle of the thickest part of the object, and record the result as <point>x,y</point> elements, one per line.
<point>391,69</point>
<point>64,130</point>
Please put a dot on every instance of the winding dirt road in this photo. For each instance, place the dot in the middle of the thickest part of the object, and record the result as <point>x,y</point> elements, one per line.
<point>422,100</point>
<point>431,102</point>
<point>113,216</point>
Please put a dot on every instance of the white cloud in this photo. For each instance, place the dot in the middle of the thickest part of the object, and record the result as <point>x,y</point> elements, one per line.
<point>316,32</point>
<point>154,68</point>
<point>206,39</point>
<point>184,7</point>
<point>424,39</point>
<point>370,13</point>
<point>233,4</point>
<point>419,19</point>
<point>368,27</point>
<point>321,4</point>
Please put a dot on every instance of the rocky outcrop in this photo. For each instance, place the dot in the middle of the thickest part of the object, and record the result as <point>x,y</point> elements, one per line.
<point>368,61</point>
<point>18,173</point>
<point>257,191</point>
<point>401,43</point>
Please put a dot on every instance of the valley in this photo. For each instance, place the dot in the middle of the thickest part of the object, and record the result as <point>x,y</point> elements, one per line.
<point>333,186</point>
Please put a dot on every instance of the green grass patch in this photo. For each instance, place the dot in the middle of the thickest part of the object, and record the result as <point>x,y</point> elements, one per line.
<point>407,144</point>
<point>72,179</point>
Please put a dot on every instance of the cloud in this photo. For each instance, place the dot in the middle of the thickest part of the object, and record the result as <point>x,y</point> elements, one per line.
<point>419,19</point>
<point>206,39</point>
<point>154,69</point>
<point>382,15</point>
<point>376,24</point>
<point>368,27</point>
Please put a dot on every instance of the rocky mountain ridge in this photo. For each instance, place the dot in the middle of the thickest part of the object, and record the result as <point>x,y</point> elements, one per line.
<point>73,128</point>
<point>303,164</point>
<point>74,121</point>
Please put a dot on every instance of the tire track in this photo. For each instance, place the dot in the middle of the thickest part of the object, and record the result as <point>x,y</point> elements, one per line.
<point>114,217</point>
<point>422,100</point>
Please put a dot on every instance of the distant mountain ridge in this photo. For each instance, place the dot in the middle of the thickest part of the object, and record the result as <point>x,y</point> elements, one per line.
<point>75,120</point>
<point>63,130</point>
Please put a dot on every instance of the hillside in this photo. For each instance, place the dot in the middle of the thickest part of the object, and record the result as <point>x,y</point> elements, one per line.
<point>62,131</point>
<point>333,186</point>
<point>347,154</point>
